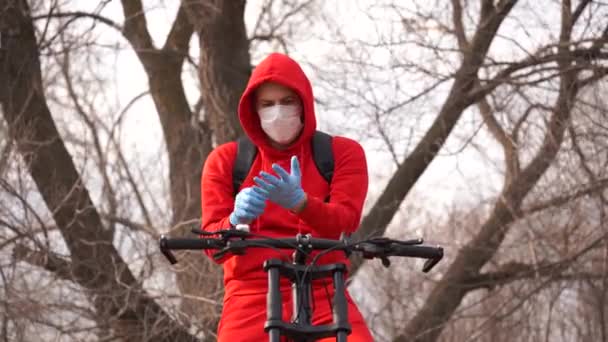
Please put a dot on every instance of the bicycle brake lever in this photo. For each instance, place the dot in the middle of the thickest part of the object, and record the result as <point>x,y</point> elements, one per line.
<point>227,234</point>
<point>371,249</point>
<point>411,242</point>
<point>385,262</point>
<point>220,254</point>
<point>228,249</point>
<point>377,248</point>
<point>233,247</point>
<point>383,241</point>
<point>380,241</point>
<point>429,264</point>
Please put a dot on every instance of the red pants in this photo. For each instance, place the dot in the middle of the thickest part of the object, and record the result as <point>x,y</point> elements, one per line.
<point>243,316</point>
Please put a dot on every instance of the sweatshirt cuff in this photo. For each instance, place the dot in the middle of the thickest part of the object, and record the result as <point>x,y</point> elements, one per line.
<point>311,210</point>
<point>224,224</point>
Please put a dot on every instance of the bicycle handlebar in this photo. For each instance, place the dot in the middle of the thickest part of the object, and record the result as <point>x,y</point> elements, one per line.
<point>235,242</point>
<point>192,244</point>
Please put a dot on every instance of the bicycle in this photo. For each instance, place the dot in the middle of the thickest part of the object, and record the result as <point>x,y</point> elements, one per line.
<point>301,274</point>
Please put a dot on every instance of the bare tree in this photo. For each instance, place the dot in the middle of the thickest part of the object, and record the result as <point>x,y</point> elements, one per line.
<point>529,103</point>
<point>94,237</point>
<point>95,264</point>
<point>189,133</point>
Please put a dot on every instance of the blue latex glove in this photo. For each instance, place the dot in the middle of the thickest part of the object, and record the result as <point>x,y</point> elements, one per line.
<point>248,205</point>
<point>285,190</point>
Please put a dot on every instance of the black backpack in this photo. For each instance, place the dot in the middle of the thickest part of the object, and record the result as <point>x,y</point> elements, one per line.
<point>246,151</point>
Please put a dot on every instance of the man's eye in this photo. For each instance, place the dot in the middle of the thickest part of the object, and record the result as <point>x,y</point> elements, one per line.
<point>287,101</point>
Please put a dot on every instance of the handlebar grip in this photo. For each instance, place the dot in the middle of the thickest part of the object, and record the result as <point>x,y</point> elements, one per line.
<point>191,244</point>
<point>432,254</point>
<point>426,252</point>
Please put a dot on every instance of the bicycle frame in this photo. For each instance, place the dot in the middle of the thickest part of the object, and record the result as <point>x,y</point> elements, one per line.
<point>301,277</point>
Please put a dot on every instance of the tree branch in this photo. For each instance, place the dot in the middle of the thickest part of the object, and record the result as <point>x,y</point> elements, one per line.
<point>65,64</point>
<point>598,74</point>
<point>131,180</point>
<point>376,221</point>
<point>508,145</point>
<point>498,132</point>
<point>134,226</point>
<point>136,30</point>
<point>47,260</point>
<point>514,271</point>
<point>541,57</point>
<point>181,31</point>
<point>511,272</point>
<point>586,168</point>
<point>461,37</point>
<point>80,14</point>
<point>5,155</point>
<point>579,10</point>
<point>593,187</point>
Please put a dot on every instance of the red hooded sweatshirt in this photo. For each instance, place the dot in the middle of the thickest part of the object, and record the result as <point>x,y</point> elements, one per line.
<point>244,274</point>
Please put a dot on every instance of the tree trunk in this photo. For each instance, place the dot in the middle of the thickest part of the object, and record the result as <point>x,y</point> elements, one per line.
<point>225,63</point>
<point>96,265</point>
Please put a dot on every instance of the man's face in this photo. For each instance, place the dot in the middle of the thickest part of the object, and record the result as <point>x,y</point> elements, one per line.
<point>269,94</point>
<point>282,124</point>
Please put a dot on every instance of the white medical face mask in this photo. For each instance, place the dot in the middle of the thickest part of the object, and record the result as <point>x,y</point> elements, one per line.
<point>282,123</point>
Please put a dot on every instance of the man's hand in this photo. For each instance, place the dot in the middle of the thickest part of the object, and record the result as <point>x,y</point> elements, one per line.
<point>285,190</point>
<point>248,205</point>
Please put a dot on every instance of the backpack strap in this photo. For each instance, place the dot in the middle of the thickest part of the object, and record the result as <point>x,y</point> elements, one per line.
<point>246,152</point>
<point>323,154</point>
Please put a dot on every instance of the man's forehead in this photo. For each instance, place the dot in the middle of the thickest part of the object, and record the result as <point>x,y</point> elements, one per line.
<point>272,88</point>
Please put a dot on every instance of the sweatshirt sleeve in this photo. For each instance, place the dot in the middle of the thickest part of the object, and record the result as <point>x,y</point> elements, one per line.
<point>217,198</point>
<point>347,192</point>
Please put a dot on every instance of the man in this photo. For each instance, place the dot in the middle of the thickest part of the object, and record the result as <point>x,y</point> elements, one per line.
<point>283,195</point>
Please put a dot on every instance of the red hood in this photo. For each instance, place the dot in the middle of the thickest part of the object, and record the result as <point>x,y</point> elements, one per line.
<point>277,68</point>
